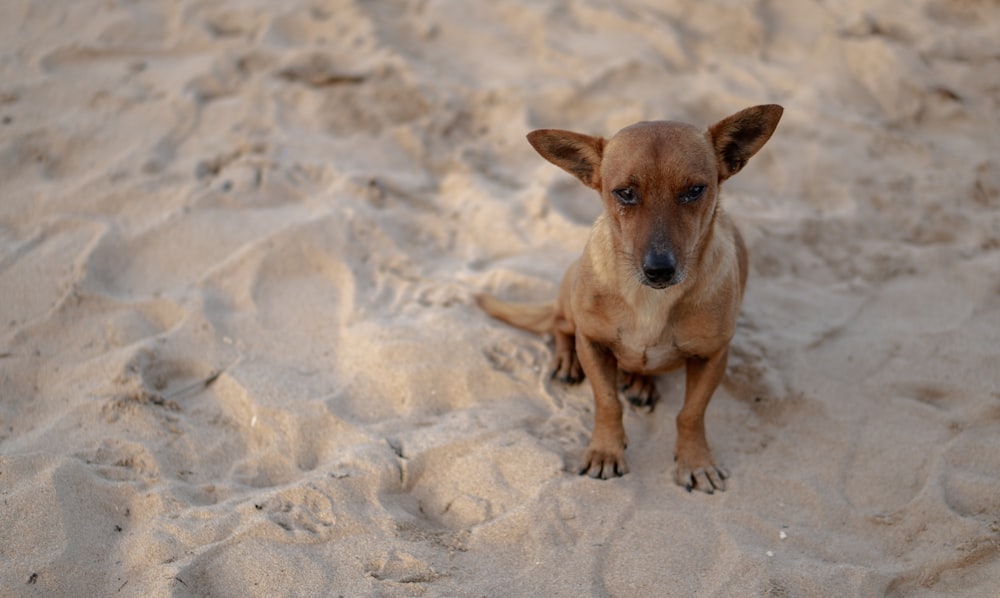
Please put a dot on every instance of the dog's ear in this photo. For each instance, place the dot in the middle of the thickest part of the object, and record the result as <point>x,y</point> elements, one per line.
<point>577,154</point>
<point>738,137</point>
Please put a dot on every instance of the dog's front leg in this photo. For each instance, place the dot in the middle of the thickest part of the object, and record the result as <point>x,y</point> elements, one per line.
<point>605,457</point>
<point>695,466</point>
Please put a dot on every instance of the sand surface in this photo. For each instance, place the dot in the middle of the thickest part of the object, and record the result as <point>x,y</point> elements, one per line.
<point>239,354</point>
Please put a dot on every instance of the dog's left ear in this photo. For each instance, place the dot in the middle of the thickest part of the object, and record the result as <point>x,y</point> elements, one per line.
<point>738,137</point>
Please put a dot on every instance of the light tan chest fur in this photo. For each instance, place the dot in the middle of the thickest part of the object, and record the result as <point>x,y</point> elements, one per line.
<point>644,340</point>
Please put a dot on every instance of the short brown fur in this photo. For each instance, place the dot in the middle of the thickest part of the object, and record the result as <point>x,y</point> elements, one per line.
<point>659,283</point>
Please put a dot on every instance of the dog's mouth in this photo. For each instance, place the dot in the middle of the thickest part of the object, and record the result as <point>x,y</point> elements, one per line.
<point>660,283</point>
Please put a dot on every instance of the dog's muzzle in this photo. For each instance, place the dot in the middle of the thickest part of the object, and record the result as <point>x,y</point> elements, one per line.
<point>659,269</point>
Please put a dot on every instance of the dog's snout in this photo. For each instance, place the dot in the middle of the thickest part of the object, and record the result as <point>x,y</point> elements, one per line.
<point>659,267</point>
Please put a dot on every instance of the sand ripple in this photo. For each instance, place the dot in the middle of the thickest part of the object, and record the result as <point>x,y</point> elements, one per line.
<point>238,351</point>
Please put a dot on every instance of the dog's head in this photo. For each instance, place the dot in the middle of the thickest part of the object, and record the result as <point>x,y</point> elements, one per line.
<point>660,182</point>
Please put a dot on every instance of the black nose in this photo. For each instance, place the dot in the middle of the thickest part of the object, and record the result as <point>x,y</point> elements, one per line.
<point>659,267</point>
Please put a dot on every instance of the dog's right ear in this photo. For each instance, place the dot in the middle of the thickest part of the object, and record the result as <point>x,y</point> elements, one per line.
<point>577,154</point>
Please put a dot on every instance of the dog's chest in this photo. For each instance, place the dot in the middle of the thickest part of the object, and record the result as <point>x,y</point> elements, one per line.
<point>641,353</point>
<point>644,342</point>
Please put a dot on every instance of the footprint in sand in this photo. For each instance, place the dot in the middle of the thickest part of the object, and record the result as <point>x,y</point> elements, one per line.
<point>754,376</point>
<point>516,358</point>
<point>119,460</point>
<point>223,80</point>
<point>41,269</point>
<point>305,512</point>
<point>150,381</point>
<point>887,70</point>
<point>345,99</point>
<point>972,476</point>
<point>234,22</point>
<point>49,154</point>
<point>969,487</point>
<point>401,567</point>
<point>341,27</point>
<point>459,486</point>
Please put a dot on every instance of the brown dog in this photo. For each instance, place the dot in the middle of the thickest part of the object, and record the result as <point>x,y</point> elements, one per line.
<point>660,280</point>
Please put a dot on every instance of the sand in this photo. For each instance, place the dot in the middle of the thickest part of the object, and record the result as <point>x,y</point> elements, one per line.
<point>239,354</point>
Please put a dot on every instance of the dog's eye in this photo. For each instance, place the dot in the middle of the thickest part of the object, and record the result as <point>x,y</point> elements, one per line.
<point>627,196</point>
<point>692,194</point>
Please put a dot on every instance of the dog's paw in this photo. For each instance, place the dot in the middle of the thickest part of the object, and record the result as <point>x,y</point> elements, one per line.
<point>640,391</point>
<point>699,472</point>
<point>566,368</point>
<point>604,463</point>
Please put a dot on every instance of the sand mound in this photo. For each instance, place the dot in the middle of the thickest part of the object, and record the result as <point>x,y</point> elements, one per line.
<point>239,354</point>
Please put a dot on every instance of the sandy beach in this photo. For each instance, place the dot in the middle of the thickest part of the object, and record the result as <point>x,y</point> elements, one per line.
<point>240,355</point>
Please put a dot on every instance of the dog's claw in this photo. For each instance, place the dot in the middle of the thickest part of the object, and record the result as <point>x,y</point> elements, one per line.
<point>703,480</point>
<point>604,465</point>
<point>639,390</point>
<point>705,477</point>
<point>567,379</point>
<point>567,369</point>
<point>717,477</point>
